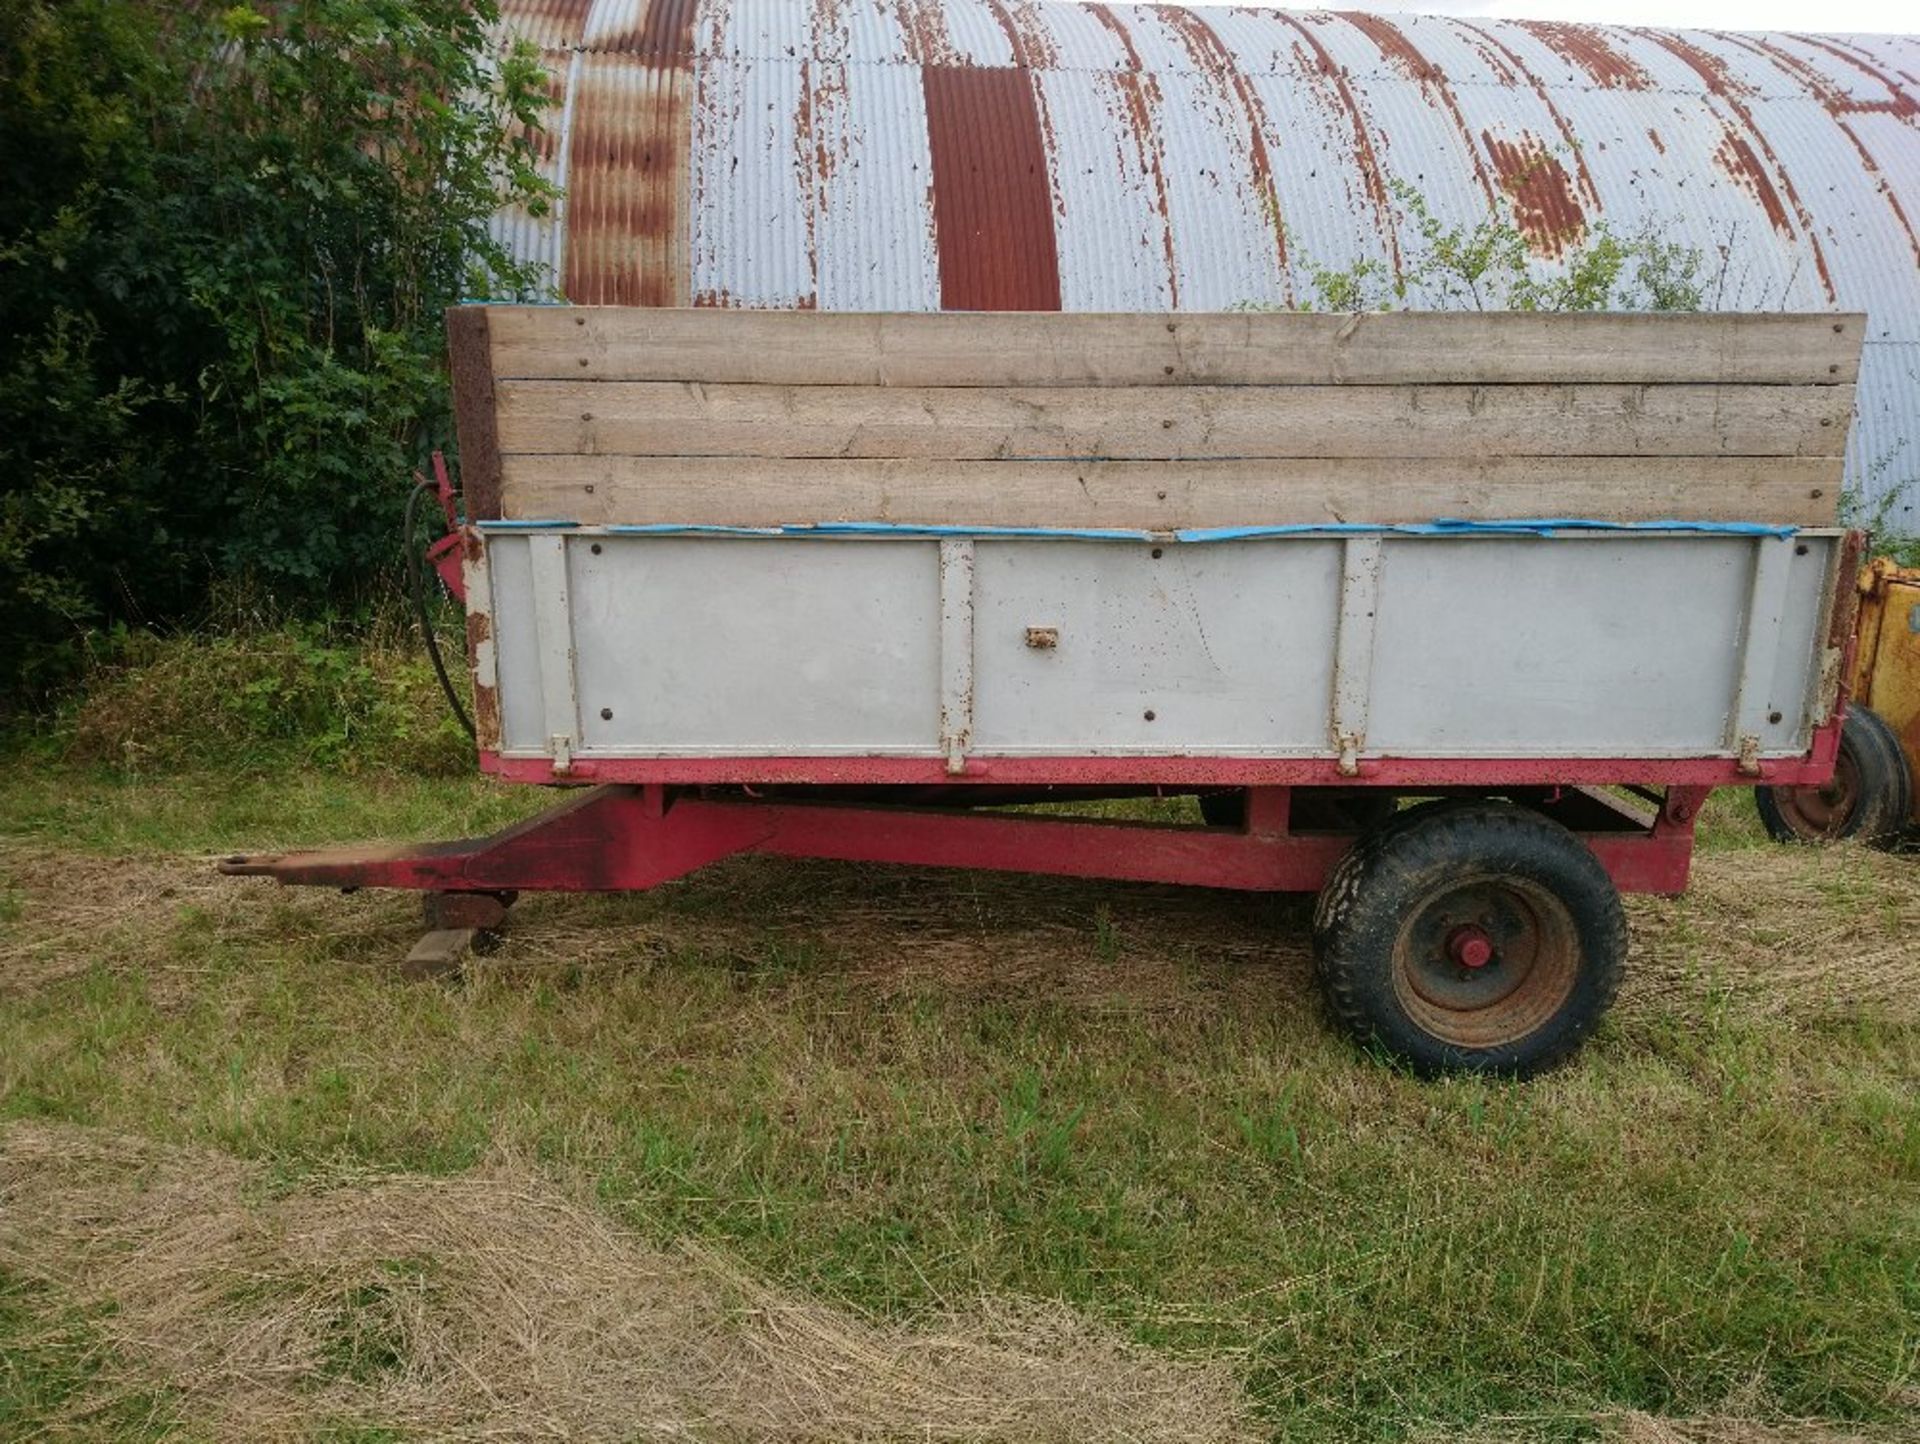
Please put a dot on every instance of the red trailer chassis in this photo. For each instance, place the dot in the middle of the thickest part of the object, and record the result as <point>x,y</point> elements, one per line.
<point>625,837</point>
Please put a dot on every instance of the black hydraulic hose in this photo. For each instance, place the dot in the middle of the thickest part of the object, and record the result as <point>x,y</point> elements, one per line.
<point>417,587</point>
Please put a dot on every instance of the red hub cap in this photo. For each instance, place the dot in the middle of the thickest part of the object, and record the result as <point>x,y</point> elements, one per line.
<point>1469,946</point>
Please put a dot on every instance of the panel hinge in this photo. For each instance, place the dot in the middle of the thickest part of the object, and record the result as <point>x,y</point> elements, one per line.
<point>561,746</point>
<point>1749,755</point>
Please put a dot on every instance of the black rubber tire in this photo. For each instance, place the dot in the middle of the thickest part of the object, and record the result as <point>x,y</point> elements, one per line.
<point>1870,797</point>
<point>1315,809</point>
<point>1376,915</point>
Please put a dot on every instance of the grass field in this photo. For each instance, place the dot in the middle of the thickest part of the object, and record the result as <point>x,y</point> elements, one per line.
<point>820,1151</point>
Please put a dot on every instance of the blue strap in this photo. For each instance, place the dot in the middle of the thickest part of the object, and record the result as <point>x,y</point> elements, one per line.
<point>1441,526</point>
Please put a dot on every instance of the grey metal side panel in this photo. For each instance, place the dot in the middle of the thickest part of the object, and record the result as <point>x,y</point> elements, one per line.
<point>1448,646</point>
<point>1529,646</point>
<point>756,646</point>
<point>1219,648</point>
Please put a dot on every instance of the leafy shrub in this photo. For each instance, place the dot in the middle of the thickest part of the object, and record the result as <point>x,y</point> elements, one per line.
<point>229,239</point>
<point>1489,265</point>
<point>295,695</point>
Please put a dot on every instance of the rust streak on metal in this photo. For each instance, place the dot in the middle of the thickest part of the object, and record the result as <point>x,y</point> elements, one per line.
<point>1837,44</point>
<point>1840,105</point>
<point>811,164</point>
<point>1402,53</point>
<point>628,203</point>
<point>550,24</point>
<point>992,203</point>
<point>1033,51</point>
<point>1658,144</point>
<point>929,42</point>
<point>1886,191</point>
<point>1216,62</point>
<point>1902,104</point>
<point>1586,47</point>
<point>1544,205</point>
<point>1736,158</point>
<point>827,33</point>
<point>1493,54</point>
<point>666,33</point>
<point>1560,122</point>
<point>1140,96</point>
<point>1722,84</point>
<point>1032,43</point>
<point>1372,175</point>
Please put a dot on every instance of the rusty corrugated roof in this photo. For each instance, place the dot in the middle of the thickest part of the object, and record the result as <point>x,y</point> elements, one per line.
<point>975,154</point>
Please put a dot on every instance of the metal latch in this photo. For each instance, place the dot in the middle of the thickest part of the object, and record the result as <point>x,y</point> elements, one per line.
<point>1349,753</point>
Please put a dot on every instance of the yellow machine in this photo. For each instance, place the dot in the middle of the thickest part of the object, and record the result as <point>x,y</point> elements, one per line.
<point>1872,794</point>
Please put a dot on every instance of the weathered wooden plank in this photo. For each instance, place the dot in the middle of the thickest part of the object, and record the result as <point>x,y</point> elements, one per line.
<point>1237,348</point>
<point>470,359</point>
<point>733,491</point>
<point>647,418</point>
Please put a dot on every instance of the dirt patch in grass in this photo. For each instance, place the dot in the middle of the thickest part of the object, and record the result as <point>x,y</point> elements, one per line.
<point>495,1305</point>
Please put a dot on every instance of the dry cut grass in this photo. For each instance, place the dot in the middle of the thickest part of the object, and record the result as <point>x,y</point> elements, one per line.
<point>495,1306</point>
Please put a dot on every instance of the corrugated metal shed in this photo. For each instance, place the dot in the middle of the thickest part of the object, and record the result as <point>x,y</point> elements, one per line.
<point>1025,154</point>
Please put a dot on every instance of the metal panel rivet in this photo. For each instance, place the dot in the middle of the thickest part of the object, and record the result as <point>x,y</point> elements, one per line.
<point>1161,495</point>
<point>1774,718</point>
<point>586,416</point>
<point>1838,328</point>
<point>1167,424</point>
<point>1817,493</point>
<point>606,714</point>
<point>1157,553</point>
<point>595,548</point>
<point>1149,714</point>
<point>579,320</point>
<point>1800,550</point>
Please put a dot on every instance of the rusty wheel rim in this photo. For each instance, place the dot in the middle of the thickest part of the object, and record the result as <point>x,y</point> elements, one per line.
<point>1822,813</point>
<point>1483,962</point>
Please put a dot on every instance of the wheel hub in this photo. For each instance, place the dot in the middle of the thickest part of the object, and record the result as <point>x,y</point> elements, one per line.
<point>1822,812</point>
<point>1469,946</point>
<point>1485,961</point>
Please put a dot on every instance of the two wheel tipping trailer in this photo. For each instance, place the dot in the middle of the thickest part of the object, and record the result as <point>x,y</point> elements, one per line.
<point>1453,620</point>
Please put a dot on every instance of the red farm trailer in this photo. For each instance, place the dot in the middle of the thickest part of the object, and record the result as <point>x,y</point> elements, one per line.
<point>1451,619</point>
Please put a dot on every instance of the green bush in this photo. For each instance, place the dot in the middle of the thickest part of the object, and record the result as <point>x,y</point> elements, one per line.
<point>229,237</point>
<point>301,694</point>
